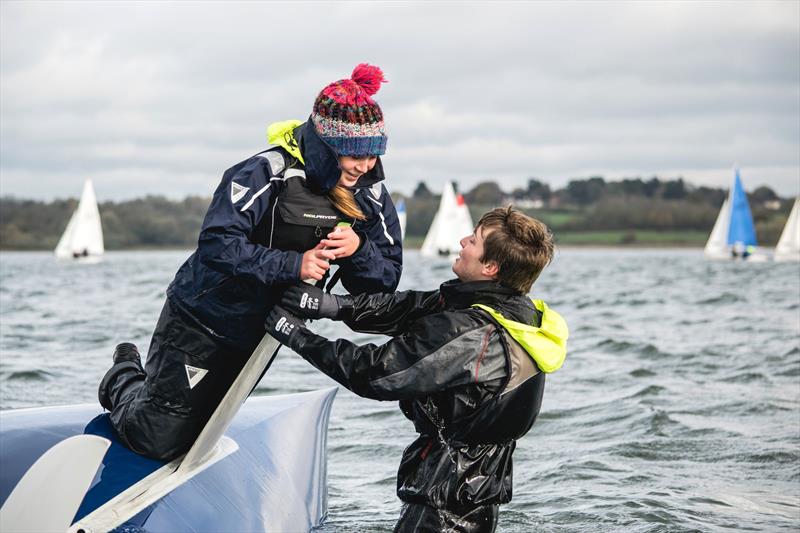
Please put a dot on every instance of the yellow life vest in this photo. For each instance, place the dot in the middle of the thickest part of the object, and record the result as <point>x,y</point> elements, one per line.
<point>281,133</point>
<point>547,344</point>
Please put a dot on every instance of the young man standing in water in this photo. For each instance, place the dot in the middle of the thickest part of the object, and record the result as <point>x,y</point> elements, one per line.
<point>466,362</point>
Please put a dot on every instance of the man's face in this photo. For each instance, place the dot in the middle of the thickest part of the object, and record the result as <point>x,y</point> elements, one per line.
<point>467,265</point>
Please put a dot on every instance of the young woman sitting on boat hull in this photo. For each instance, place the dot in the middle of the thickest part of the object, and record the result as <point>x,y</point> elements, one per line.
<point>272,222</point>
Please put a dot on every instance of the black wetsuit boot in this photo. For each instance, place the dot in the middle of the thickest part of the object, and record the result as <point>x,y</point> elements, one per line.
<point>125,377</point>
<point>419,518</point>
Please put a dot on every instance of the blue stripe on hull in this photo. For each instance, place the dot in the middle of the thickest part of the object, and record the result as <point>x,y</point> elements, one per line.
<point>121,469</point>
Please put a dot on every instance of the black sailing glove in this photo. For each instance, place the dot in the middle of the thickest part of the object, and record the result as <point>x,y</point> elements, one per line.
<point>312,302</point>
<point>284,327</point>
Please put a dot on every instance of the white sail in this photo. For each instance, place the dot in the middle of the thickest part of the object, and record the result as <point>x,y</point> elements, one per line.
<point>788,248</point>
<point>717,245</point>
<point>451,223</point>
<point>401,218</point>
<point>84,234</point>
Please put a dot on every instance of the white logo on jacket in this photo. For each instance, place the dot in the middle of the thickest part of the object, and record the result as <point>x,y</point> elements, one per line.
<point>238,192</point>
<point>194,374</point>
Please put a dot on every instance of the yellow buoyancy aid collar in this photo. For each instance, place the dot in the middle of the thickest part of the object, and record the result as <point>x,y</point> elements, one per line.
<point>547,344</point>
<point>282,134</point>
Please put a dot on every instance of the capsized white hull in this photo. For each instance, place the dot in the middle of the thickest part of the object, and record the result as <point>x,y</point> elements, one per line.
<point>275,481</point>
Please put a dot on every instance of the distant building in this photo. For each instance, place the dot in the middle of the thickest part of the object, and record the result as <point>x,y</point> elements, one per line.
<point>524,203</point>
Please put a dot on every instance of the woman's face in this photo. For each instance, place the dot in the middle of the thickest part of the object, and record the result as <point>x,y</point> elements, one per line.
<point>354,167</point>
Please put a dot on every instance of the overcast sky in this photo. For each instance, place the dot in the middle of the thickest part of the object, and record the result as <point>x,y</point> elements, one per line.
<point>161,98</point>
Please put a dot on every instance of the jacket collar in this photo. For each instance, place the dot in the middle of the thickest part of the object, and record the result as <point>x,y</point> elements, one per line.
<point>459,294</point>
<point>322,164</point>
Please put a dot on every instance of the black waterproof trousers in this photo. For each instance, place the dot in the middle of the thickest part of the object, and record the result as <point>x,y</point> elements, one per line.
<point>419,518</point>
<point>160,411</point>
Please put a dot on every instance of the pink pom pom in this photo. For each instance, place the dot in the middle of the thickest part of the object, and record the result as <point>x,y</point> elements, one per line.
<point>369,77</point>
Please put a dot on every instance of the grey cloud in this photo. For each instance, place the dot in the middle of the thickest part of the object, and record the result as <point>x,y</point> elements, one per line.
<point>168,95</point>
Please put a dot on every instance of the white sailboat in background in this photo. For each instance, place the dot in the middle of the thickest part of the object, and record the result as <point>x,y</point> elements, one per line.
<point>83,238</point>
<point>717,245</point>
<point>788,248</point>
<point>451,223</point>
<point>401,217</point>
<point>734,234</point>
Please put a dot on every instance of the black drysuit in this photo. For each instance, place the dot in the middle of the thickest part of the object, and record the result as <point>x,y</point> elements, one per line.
<point>469,388</point>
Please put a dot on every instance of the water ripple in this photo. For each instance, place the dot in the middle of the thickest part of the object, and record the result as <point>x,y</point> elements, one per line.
<point>676,409</point>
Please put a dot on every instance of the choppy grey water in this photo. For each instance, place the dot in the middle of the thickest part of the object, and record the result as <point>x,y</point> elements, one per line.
<point>678,408</point>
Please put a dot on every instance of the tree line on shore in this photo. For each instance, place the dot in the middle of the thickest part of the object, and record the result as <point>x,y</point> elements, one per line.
<point>583,206</point>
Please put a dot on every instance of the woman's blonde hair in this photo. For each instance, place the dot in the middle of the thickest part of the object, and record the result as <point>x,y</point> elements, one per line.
<point>342,199</point>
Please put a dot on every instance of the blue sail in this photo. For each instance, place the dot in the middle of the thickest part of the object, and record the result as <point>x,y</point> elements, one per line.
<point>741,228</point>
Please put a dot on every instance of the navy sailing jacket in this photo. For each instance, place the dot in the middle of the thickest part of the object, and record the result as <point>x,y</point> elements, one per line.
<point>229,284</point>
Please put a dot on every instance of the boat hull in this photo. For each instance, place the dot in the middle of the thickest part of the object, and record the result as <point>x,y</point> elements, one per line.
<point>275,481</point>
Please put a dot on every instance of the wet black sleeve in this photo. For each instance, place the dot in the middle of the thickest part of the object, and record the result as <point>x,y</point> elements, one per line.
<point>389,314</point>
<point>432,356</point>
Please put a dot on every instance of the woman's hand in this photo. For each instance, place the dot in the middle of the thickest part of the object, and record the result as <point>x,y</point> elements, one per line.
<point>342,241</point>
<point>315,262</point>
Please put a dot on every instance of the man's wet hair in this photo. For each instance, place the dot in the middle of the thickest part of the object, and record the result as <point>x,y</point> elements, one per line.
<point>520,245</point>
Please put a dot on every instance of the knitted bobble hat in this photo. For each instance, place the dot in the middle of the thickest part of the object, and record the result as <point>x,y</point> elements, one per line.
<point>346,116</point>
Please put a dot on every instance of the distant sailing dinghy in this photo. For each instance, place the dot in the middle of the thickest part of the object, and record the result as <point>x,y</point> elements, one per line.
<point>83,238</point>
<point>788,248</point>
<point>734,234</point>
<point>451,223</point>
<point>401,217</point>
